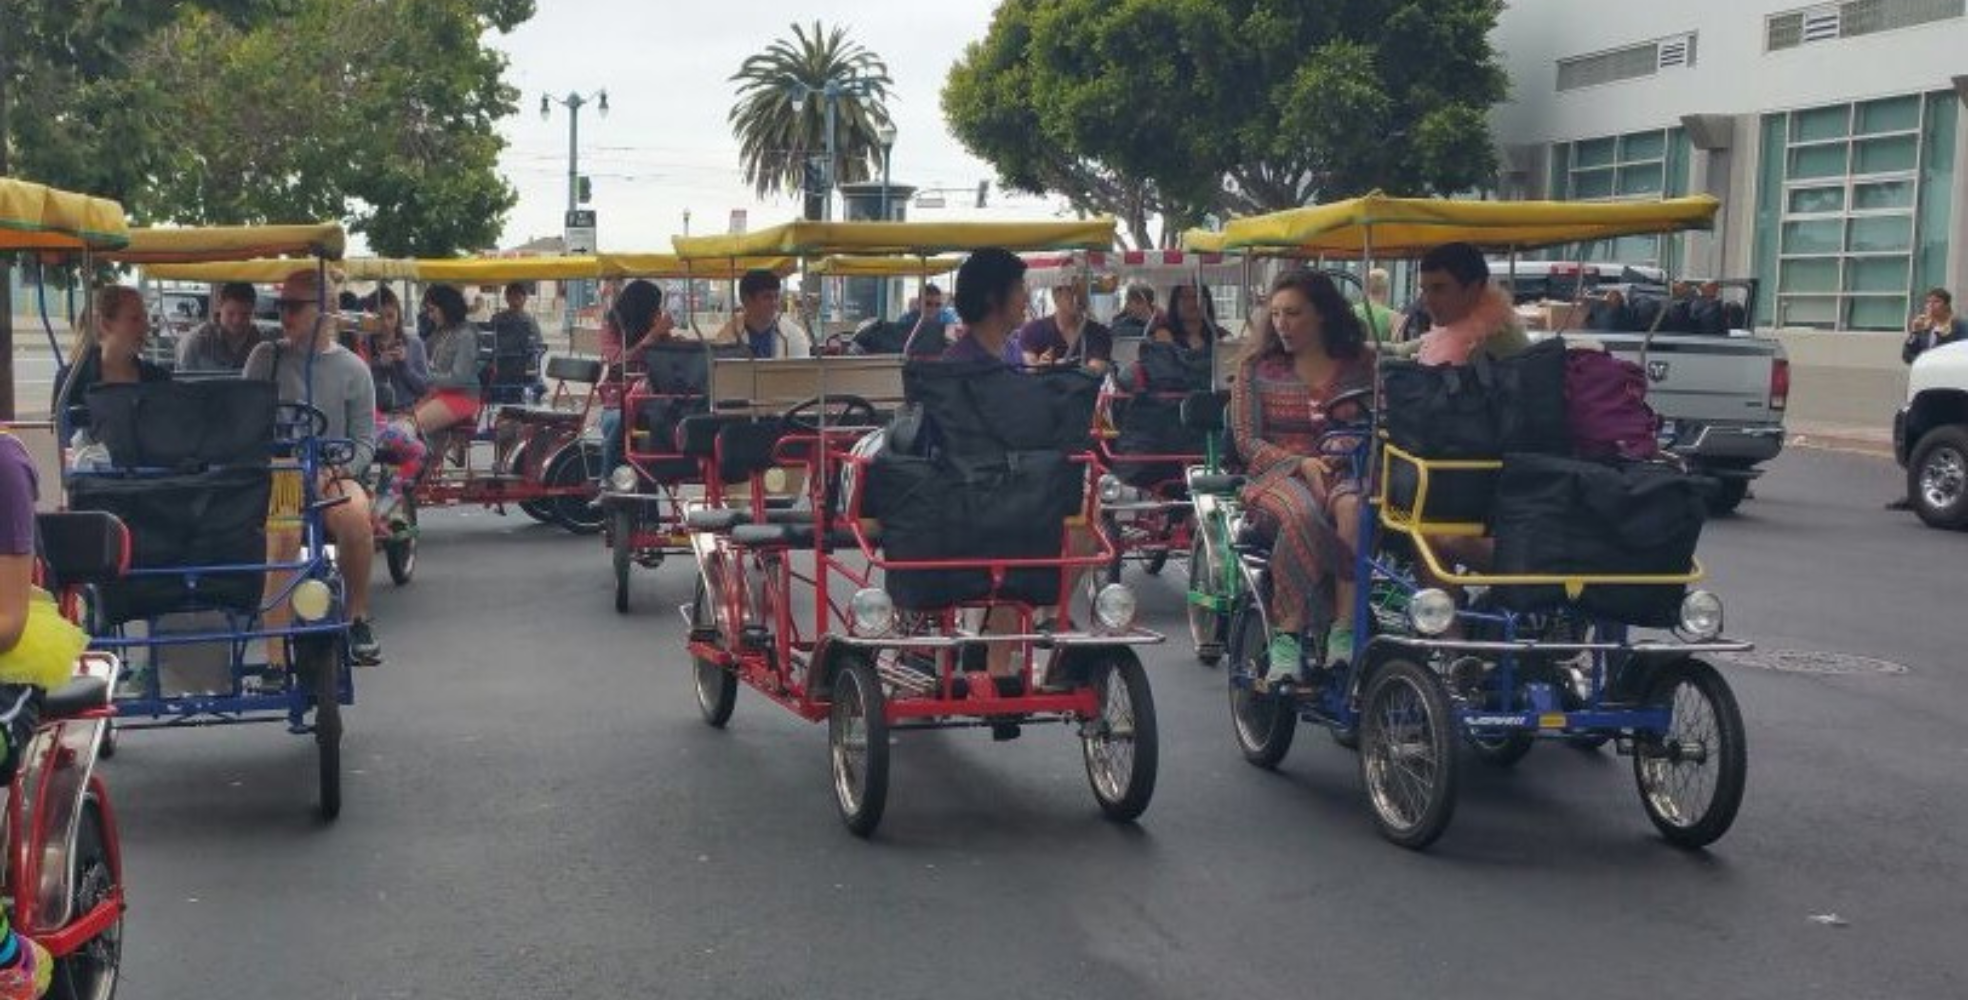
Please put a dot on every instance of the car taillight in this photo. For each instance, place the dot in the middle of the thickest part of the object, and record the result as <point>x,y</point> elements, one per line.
<point>1779,383</point>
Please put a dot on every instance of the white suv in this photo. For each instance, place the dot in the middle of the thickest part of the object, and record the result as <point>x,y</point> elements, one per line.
<point>1930,436</point>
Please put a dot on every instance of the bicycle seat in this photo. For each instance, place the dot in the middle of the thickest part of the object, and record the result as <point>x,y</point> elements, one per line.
<point>728,518</point>
<point>767,536</point>
<point>1218,483</point>
<point>74,698</point>
<point>539,416</point>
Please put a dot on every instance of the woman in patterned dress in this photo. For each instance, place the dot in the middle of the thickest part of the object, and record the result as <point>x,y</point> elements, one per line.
<point>1312,351</point>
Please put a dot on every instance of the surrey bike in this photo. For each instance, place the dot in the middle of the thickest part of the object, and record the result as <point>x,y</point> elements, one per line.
<point>899,553</point>
<point>204,473</point>
<point>643,498</point>
<point>1549,645</point>
<point>63,874</point>
<point>544,458</point>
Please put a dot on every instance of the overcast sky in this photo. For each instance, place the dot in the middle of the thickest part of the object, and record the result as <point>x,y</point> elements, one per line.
<point>665,146</point>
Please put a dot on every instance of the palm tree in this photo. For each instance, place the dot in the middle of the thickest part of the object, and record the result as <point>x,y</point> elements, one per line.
<point>774,140</point>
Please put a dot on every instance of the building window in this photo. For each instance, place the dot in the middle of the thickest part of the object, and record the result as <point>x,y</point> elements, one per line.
<point>1852,18</point>
<point>1849,186</point>
<point>1637,166</point>
<point>1629,63</point>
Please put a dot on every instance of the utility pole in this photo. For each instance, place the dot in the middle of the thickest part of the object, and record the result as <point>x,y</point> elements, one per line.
<point>573,102</point>
<point>798,92</point>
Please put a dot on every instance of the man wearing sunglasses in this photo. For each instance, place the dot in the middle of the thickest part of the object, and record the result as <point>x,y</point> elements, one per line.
<point>337,383</point>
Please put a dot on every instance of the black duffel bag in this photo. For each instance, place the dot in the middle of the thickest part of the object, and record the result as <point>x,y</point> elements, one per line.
<point>213,518</point>
<point>1557,516</point>
<point>184,426</point>
<point>974,409</point>
<point>1012,506</point>
<point>1481,410</point>
<point>1151,422</point>
<point>960,480</point>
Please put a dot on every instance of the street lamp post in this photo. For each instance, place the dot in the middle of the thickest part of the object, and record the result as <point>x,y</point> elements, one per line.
<point>573,102</point>
<point>798,91</point>
<point>887,136</point>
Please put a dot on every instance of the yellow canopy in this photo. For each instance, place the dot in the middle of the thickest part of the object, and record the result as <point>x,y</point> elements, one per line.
<point>379,269</point>
<point>1397,227</point>
<point>193,244</point>
<point>275,270</point>
<point>37,217</point>
<point>669,265</point>
<point>815,239</point>
<point>499,270</point>
<point>258,272</point>
<point>885,267</point>
<point>1203,241</point>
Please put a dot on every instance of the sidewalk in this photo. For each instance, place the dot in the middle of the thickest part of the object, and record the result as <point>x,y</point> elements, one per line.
<point>1875,441</point>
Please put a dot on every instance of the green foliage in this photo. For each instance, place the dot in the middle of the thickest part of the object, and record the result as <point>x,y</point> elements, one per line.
<point>1187,108</point>
<point>381,113</point>
<point>774,140</point>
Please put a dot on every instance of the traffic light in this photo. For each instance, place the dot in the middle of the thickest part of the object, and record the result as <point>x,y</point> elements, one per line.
<point>983,192</point>
<point>584,191</point>
<point>815,176</point>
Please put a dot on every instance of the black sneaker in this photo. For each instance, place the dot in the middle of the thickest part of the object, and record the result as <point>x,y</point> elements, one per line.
<point>363,646</point>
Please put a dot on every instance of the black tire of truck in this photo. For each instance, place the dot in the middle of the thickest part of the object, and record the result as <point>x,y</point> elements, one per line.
<point>1935,485</point>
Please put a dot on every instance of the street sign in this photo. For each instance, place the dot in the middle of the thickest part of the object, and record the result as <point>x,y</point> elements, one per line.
<point>738,221</point>
<point>580,234</point>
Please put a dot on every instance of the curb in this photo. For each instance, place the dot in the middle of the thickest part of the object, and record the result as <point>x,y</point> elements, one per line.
<point>1856,444</point>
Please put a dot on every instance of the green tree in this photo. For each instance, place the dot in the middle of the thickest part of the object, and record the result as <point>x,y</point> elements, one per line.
<point>70,115</point>
<point>775,140</point>
<point>1189,108</point>
<point>382,113</point>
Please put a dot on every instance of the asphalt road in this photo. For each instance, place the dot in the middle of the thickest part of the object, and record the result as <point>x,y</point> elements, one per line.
<point>534,809</point>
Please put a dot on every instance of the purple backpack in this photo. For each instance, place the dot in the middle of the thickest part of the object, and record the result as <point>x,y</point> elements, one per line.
<point>1606,401</point>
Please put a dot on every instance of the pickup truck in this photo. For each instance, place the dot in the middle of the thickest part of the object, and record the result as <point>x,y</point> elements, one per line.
<point>1930,436</point>
<point>1721,398</point>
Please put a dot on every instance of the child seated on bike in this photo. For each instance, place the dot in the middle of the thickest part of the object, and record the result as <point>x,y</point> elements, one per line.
<point>402,375</point>
<point>1301,497</point>
<point>35,651</point>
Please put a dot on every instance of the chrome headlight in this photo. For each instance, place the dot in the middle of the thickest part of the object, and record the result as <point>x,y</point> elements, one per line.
<point>1431,611</point>
<point>1701,615</point>
<point>1111,489</point>
<point>1114,607</point>
<point>624,479</point>
<point>871,612</point>
<point>311,600</point>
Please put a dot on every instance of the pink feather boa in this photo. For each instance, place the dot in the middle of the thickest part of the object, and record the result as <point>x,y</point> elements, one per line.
<point>1454,343</point>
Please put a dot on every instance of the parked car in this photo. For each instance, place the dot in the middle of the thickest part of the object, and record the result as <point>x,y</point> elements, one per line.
<point>1930,436</point>
<point>174,313</point>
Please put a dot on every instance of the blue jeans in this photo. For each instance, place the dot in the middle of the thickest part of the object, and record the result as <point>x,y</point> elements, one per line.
<point>611,441</point>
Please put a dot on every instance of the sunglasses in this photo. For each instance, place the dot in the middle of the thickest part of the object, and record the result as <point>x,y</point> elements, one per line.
<point>287,306</point>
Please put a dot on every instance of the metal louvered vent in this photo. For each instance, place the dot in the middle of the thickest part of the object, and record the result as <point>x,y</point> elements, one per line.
<point>1677,52</point>
<point>1854,18</point>
<point>1629,63</point>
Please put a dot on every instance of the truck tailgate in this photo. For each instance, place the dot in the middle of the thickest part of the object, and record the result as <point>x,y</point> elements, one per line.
<point>1703,378</point>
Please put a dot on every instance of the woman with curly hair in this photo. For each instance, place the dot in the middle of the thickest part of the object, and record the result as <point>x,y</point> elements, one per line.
<point>1310,352</point>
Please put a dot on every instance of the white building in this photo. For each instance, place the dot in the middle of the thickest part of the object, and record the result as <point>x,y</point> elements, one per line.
<point>1833,134</point>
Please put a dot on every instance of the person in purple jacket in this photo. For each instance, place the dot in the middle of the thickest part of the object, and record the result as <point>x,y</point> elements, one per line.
<point>1069,335</point>
<point>991,299</point>
<point>24,964</point>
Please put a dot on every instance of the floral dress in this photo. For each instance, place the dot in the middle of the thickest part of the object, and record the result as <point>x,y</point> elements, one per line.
<point>1277,421</point>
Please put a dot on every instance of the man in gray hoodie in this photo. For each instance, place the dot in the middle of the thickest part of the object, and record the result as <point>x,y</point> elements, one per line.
<point>336,382</point>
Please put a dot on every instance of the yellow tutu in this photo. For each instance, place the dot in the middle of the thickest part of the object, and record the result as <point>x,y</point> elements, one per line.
<point>45,655</point>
